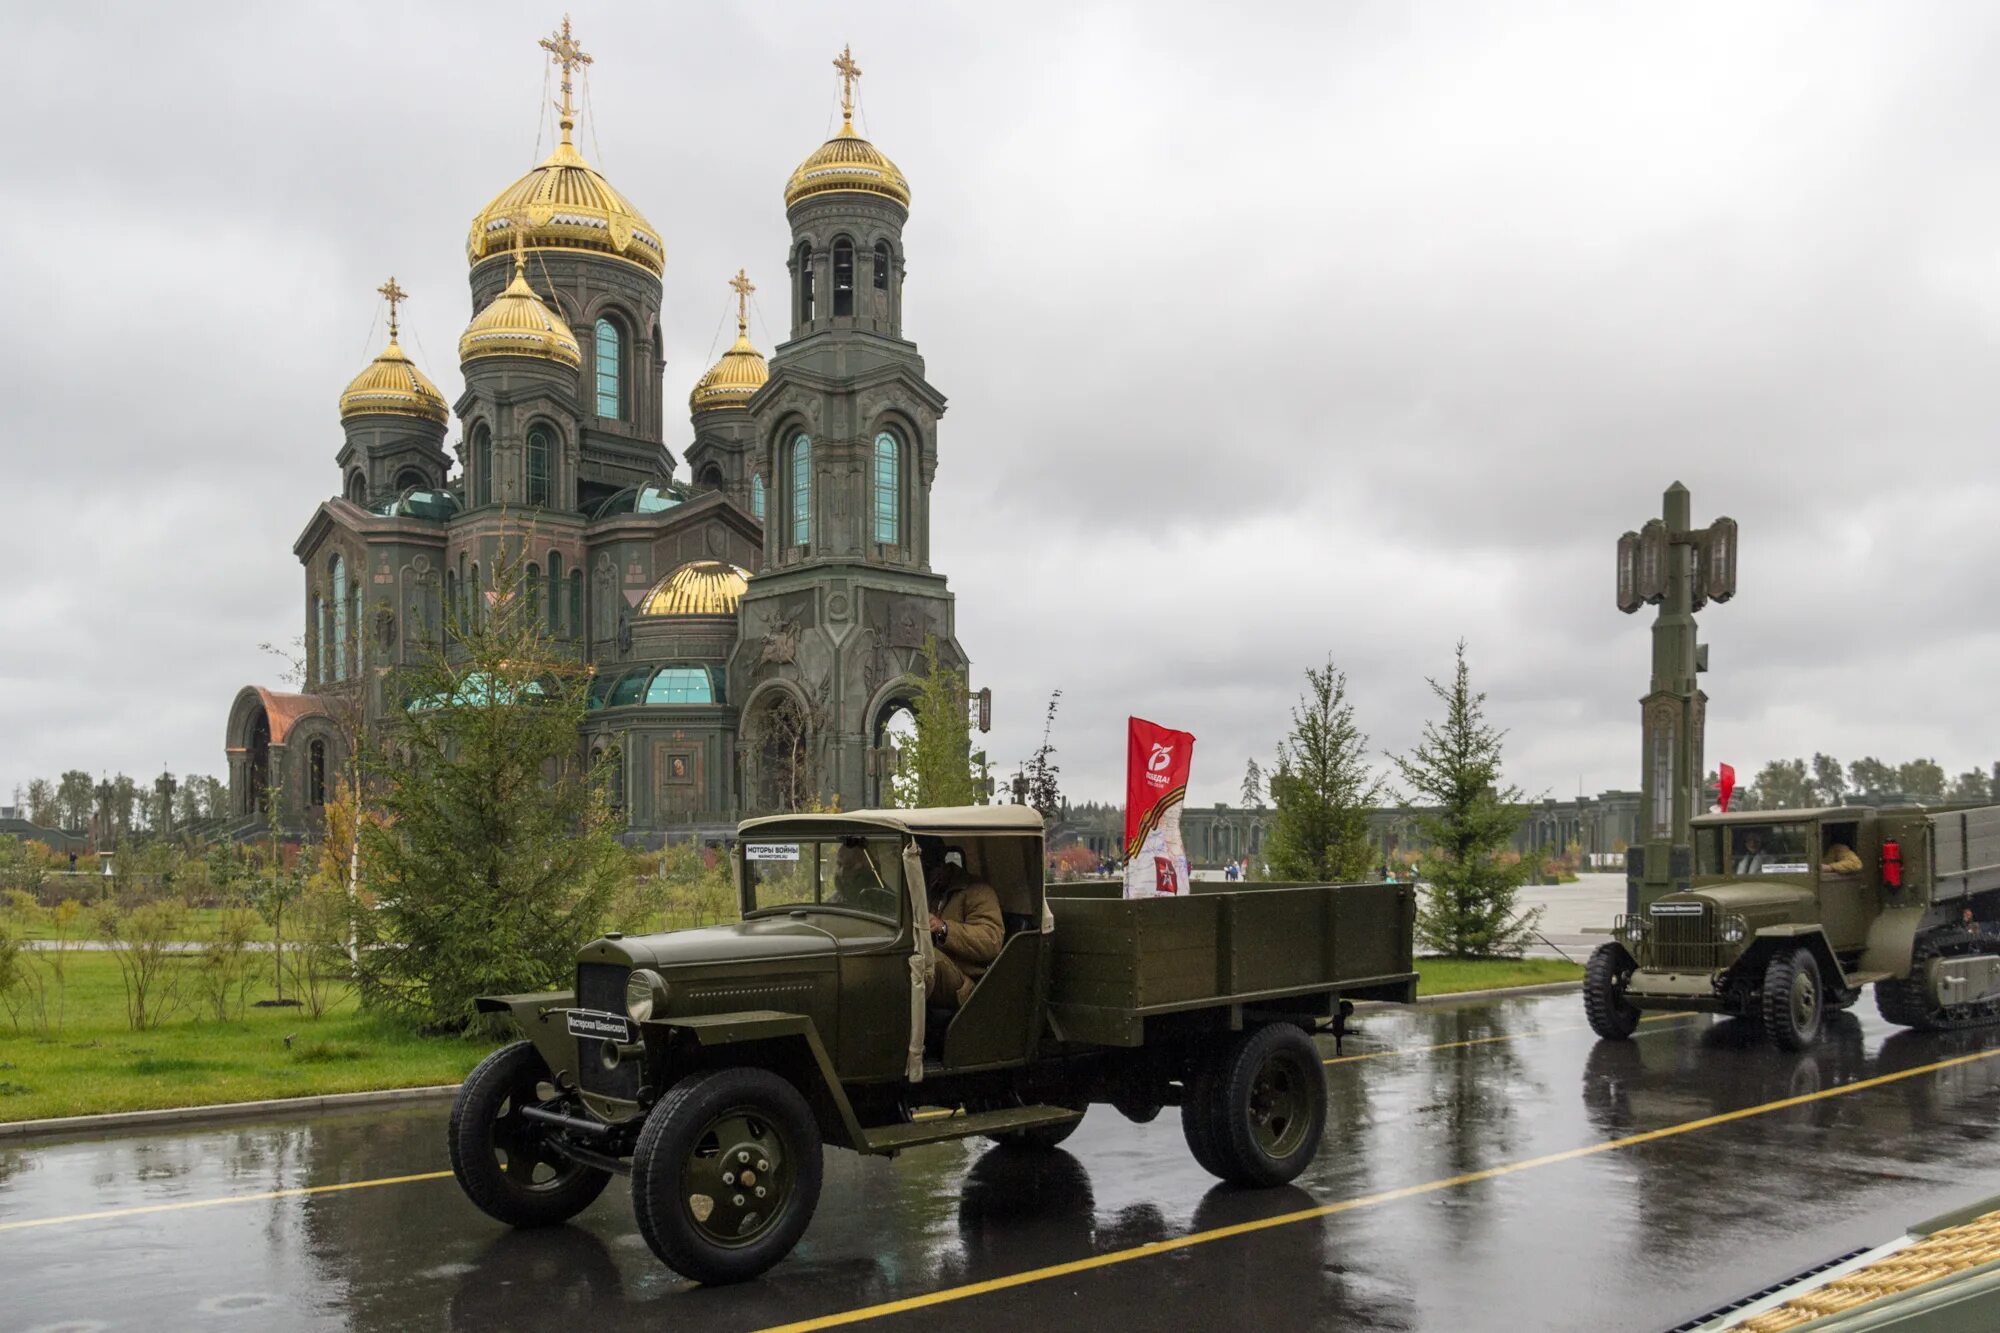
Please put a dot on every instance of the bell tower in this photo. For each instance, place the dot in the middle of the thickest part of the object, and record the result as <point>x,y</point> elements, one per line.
<point>846,433</point>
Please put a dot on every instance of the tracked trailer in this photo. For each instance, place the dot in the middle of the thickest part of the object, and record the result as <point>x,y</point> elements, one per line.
<point>712,1066</point>
<point>1790,913</point>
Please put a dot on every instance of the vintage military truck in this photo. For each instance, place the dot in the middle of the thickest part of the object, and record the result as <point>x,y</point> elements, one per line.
<point>1791,912</point>
<point>711,1065</point>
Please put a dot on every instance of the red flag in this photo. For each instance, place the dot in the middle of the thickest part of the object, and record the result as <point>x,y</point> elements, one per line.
<point>1727,786</point>
<point>1156,778</point>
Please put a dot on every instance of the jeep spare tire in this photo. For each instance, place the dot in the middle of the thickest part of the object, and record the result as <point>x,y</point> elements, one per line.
<point>726,1174</point>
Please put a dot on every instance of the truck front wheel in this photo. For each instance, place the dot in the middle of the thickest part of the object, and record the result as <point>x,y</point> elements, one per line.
<point>1794,1002</point>
<point>503,1160</point>
<point>1611,1015</point>
<point>1257,1106</point>
<point>726,1174</point>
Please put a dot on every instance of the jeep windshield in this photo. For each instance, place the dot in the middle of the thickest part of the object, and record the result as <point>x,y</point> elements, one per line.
<point>863,875</point>
<point>1757,849</point>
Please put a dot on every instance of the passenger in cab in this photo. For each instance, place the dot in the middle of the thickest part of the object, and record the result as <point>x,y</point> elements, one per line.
<point>1839,860</point>
<point>965,924</point>
<point>1750,855</point>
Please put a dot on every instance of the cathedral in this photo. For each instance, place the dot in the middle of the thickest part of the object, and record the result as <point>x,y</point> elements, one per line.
<point>751,629</point>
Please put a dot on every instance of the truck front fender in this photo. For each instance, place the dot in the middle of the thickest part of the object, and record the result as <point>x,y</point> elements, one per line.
<point>786,1044</point>
<point>1769,939</point>
<point>539,1017</point>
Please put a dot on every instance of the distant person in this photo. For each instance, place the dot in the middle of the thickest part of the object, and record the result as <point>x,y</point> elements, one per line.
<point>1750,856</point>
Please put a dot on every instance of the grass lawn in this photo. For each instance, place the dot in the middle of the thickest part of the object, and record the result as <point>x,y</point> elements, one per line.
<point>200,924</point>
<point>1448,976</point>
<point>96,1063</point>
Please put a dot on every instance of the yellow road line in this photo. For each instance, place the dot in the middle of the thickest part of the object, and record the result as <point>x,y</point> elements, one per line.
<point>298,1192</point>
<point>1484,1041</point>
<point>1033,1275</point>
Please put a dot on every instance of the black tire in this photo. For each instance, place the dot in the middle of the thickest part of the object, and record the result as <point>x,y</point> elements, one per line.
<point>1196,1124</point>
<point>1043,1137</point>
<point>678,1166</point>
<point>1793,1001</point>
<point>1611,1016</point>
<point>1260,1107</point>
<point>502,1159</point>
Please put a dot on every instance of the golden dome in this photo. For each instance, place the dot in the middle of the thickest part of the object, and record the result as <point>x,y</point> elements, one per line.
<point>741,371</point>
<point>698,588</point>
<point>392,386</point>
<point>568,207</point>
<point>517,323</point>
<point>847,162</point>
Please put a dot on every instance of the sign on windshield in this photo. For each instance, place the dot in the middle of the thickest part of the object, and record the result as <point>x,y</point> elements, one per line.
<point>851,874</point>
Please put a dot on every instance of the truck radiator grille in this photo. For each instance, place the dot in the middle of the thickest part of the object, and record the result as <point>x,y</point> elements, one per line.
<point>602,986</point>
<point>1685,943</point>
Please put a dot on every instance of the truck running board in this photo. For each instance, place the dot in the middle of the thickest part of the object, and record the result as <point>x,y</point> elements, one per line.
<point>894,1138</point>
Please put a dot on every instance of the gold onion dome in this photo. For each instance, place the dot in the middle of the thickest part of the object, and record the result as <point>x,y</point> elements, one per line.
<point>847,163</point>
<point>518,323</point>
<point>698,588</point>
<point>392,386</point>
<point>741,371</point>
<point>564,204</point>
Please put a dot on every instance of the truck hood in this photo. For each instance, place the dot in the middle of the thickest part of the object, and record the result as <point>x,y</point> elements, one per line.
<point>765,940</point>
<point>1748,896</point>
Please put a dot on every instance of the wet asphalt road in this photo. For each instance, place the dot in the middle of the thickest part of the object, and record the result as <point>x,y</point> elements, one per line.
<point>1611,1234</point>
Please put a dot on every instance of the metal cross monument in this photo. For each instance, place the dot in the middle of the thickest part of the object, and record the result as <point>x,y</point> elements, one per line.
<point>1679,568</point>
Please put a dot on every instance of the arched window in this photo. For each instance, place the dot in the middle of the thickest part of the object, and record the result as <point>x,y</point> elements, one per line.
<point>534,589</point>
<point>680,685</point>
<point>339,618</point>
<point>474,590</point>
<point>802,483</point>
<point>576,602</point>
<point>464,604</point>
<point>711,476</point>
<point>757,495</point>
<point>539,490</point>
<point>482,466</point>
<point>805,283</point>
<point>316,773</point>
<point>409,479</point>
<point>451,599</point>
<point>319,633</point>
<point>610,384</point>
<point>843,277</point>
<point>888,491</point>
<point>882,265</point>
<point>357,486</point>
<point>555,592</point>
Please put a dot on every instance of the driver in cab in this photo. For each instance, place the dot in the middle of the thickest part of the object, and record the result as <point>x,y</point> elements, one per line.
<point>965,923</point>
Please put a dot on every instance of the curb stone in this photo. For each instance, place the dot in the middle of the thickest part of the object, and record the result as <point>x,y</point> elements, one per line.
<point>68,1126</point>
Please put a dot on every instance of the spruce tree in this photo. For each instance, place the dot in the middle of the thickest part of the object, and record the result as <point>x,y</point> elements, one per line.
<point>1323,788</point>
<point>1468,907</point>
<point>492,858</point>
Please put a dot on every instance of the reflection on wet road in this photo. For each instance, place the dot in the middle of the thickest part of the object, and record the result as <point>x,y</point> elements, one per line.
<point>1488,1165</point>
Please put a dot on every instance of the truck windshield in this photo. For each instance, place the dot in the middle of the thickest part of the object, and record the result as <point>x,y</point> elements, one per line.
<point>854,874</point>
<point>1772,849</point>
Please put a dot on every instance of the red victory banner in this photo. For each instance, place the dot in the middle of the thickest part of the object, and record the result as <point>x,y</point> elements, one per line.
<point>1156,778</point>
<point>1726,787</point>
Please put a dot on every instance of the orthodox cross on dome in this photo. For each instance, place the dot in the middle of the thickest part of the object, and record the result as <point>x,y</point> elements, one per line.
<point>849,72</point>
<point>741,282</point>
<point>518,223</point>
<point>562,47</point>
<point>393,295</point>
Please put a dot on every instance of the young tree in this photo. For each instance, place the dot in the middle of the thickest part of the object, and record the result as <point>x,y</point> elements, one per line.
<point>1971,785</point>
<point>1829,780</point>
<point>1468,909</point>
<point>937,770</point>
<point>1041,772</point>
<point>1324,789</point>
<point>42,808</point>
<point>1254,791</point>
<point>494,858</point>
<point>76,798</point>
<point>1870,776</point>
<point>1784,785</point>
<point>1922,779</point>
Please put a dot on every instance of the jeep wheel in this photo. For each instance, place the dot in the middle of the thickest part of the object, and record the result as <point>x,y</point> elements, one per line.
<point>726,1174</point>
<point>1258,1106</point>
<point>503,1160</point>
<point>1794,1003</point>
<point>1604,978</point>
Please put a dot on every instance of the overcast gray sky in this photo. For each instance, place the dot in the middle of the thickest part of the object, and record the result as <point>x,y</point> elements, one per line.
<point>1270,332</point>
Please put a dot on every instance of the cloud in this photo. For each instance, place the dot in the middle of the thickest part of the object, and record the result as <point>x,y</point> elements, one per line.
<point>1269,335</point>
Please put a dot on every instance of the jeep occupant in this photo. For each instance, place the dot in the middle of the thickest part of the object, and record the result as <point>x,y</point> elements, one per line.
<point>966,925</point>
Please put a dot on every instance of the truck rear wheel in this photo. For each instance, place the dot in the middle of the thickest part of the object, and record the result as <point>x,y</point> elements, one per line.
<point>1794,1001</point>
<point>1604,1004</point>
<point>726,1174</point>
<point>503,1160</point>
<point>1257,1106</point>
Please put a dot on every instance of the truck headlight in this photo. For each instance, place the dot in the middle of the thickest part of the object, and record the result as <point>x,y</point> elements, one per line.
<point>1734,928</point>
<point>1635,929</point>
<point>642,989</point>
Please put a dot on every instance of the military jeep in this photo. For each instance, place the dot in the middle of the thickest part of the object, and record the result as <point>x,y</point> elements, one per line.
<point>1789,913</point>
<point>711,1066</point>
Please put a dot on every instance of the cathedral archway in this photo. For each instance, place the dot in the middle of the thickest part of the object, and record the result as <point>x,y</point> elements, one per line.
<point>778,730</point>
<point>892,731</point>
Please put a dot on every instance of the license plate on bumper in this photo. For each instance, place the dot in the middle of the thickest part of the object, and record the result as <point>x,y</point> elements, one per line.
<point>603,1026</point>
